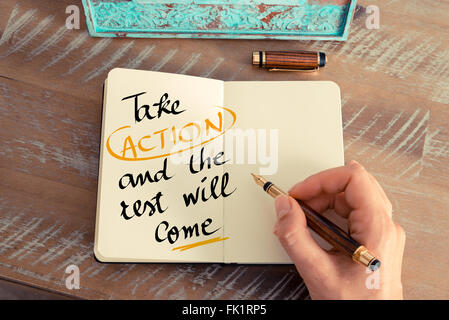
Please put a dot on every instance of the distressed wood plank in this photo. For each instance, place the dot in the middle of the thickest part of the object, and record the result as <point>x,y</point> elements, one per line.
<point>395,95</point>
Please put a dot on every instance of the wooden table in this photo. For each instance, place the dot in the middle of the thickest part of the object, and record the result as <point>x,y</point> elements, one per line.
<point>395,91</point>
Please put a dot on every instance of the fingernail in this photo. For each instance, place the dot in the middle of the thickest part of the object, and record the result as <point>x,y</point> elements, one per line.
<point>282,205</point>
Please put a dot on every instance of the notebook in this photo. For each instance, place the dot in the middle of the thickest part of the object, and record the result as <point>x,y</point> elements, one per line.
<point>176,158</point>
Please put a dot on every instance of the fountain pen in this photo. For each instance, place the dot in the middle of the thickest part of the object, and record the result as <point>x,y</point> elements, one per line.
<point>330,232</point>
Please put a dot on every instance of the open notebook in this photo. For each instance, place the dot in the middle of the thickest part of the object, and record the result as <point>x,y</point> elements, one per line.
<point>176,156</point>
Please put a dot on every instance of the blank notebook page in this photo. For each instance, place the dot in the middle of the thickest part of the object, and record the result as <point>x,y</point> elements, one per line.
<point>306,117</point>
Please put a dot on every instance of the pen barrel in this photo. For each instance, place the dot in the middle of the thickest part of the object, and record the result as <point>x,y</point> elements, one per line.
<point>330,232</point>
<point>291,60</point>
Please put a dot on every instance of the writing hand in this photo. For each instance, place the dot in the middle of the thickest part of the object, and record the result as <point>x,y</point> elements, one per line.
<point>354,194</point>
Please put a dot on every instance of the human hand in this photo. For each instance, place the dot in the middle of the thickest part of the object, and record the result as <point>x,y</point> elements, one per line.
<point>354,194</point>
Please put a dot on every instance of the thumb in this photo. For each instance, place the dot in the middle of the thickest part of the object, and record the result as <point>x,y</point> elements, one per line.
<point>291,229</point>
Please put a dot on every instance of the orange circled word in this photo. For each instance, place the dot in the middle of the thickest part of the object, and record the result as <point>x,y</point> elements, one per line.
<point>212,131</point>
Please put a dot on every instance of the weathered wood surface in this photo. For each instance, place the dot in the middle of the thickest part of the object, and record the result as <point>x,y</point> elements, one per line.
<point>395,90</point>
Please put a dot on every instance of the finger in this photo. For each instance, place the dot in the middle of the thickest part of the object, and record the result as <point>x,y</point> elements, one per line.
<point>309,258</point>
<point>320,203</point>
<point>341,207</point>
<point>382,195</point>
<point>336,202</point>
<point>337,180</point>
<point>364,206</point>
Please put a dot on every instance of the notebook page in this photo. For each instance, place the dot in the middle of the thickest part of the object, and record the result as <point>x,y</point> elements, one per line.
<point>291,130</point>
<point>146,176</point>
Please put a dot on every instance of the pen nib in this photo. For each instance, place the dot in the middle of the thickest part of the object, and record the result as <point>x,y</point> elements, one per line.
<point>259,179</point>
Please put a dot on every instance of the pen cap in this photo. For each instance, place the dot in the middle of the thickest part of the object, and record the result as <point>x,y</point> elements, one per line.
<point>293,60</point>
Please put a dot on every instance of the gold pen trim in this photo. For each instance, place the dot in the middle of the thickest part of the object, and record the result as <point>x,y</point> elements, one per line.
<point>363,256</point>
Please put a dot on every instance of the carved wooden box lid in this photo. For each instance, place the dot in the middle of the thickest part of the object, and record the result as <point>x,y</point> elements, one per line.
<point>231,19</point>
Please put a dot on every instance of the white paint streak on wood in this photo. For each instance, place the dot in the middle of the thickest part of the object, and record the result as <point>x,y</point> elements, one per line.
<point>165,280</point>
<point>120,273</point>
<point>344,100</point>
<point>403,190</point>
<point>388,50</point>
<point>29,36</point>
<point>354,117</point>
<point>15,26</point>
<point>381,133</point>
<point>227,284</point>
<point>295,294</point>
<point>442,151</point>
<point>441,93</point>
<point>31,274</point>
<point>158,66</point>
<point>11,20</point>
<point>65,243</point>
<point>51,41</point>
<point>94,51</point>
<point>428,142</point>
<point>97,271</point>
<point>172,279</point>
<point>214,67</point>
<point>139,282</point>
<point>439,65</point>
<point>366,43</point>
<point>410,168</point>
<point>81,254</point>
<point>412,146</point>
<point>141,57</point>
<point>38,242</point>
<point>236,73</point>
<point>364,130</point>
<point>326,46</point>
<point>16,237</point>
<point>435,151</point>
<point>207,274</point>
<point>279,286</point>
<point>357,34</point>
<point>194,58</point>
<point>86,166</point>
<point>404,142</point>
<point>73,45</point>
<point>180,294</point>
<point>87,270</point>
<point>248,291</point>
<point>438,68</point>
<point>7,222</point>
<point>109,63</point>
<point>397,135</point>
<point>410,60</point>
<point>279,290</point>
<point>438,152</point>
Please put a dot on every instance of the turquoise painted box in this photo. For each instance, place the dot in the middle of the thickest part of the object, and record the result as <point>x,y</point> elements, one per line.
<point>231,19</point>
